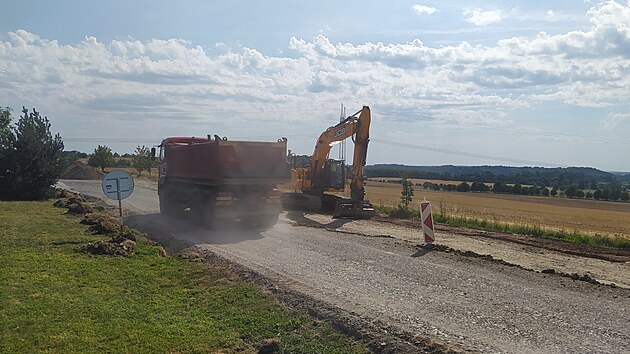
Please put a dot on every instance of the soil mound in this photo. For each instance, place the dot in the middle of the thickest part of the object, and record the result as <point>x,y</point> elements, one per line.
<point>79,170</point>
<point>76,205</point>
<point>270,346</point>
<point>112,247</point>
<point>101,223</point>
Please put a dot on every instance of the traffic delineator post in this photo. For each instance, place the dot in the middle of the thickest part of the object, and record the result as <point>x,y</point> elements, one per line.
<point>427,221</point>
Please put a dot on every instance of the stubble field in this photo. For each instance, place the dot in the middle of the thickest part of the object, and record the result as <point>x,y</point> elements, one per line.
<point>585,216</point>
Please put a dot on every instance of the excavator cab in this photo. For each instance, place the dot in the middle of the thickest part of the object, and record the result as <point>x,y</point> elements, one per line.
<point>334,174</point>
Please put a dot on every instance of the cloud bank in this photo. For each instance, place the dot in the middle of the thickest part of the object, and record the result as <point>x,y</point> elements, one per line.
<point>461,84</point>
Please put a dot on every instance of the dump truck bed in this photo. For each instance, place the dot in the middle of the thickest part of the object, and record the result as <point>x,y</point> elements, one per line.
<point>219,162</point>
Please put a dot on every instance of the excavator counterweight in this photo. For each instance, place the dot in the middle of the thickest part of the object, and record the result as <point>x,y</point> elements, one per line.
<point>353,210</point>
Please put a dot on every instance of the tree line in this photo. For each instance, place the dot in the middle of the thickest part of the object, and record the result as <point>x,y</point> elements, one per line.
<point>140,160</point>
<point>558,178</point>
<point>612,191</point>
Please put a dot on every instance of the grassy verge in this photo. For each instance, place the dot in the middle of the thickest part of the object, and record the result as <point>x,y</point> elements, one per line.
<point>55,298</point>
<point>529,230</point>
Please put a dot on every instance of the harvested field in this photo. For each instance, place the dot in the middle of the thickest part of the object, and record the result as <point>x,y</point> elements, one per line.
<point>418,180</point>
<point>585,216</point>
<point>436,181</point>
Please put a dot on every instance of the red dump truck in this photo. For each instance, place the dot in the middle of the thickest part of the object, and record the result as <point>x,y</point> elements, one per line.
<point>214,178</point>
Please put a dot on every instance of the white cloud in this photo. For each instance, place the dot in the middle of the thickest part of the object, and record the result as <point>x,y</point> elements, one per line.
<point>614,120</point>
<point>412,81</point>
<point>422,9</point>
<point>551,14</point>
<point>482,18</point>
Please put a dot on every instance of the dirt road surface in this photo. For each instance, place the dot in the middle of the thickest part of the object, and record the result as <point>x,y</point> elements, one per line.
<point>373,272</point>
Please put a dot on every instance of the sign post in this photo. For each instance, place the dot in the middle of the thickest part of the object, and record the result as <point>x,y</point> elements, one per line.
<point>427,221</point>
<point>118,185</point>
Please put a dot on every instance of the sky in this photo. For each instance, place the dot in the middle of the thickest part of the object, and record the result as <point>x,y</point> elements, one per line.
<point>518,83</point>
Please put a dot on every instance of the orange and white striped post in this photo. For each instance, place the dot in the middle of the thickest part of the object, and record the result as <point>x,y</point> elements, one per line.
<point>427,221</point>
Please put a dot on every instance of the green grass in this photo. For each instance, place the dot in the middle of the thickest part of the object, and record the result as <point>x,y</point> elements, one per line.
<point>528,230</point>
<point>56,299</point>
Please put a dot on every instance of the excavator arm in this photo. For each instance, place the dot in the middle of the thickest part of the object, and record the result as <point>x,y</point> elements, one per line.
<point>361,140</point>
<point>328,175</point>
<point>356,126</point>
<point>327,140</point>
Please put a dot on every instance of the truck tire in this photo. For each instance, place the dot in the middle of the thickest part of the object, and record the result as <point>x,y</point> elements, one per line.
<point>167,203</point>
<point>203,215</point>
<point>261,222</point>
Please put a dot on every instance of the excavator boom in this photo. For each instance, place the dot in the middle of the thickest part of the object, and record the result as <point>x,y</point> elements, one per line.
<point>357,207</point>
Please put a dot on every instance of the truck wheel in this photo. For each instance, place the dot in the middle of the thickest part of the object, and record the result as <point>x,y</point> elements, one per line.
<point>204,216</point>
<point>261,222</point>
<point>166,203</point>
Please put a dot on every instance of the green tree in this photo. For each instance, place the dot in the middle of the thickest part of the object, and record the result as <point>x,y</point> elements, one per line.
<point>571,191</point>
<point>498,187</point>
<point>7,140</point>
<point>142,159</point>
<point>545,192</point>
<point>463,187</point>
<point>554,192</point>
<point>6,137</point>
<point>102,157</point>
<point>479,187</point>
<point>615,191</point>
<point>625,196</point>
<point>598,194</point>
<point>406,195</point>
<point>33,158</point>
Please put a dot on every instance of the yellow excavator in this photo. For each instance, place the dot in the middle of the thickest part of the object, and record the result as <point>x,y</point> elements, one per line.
<point>312,187</point>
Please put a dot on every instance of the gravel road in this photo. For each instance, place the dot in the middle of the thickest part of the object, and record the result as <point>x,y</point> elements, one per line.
<point>473,303</point>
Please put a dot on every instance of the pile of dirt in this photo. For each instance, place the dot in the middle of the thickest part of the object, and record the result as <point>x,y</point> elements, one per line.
<point>79,170</point>
<point>119,246</point>
<point>75,203</point>
<point>270,346</point>
<point>101,223</point>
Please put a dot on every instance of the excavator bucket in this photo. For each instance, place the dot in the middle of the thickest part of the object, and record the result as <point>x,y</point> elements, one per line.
<point>353,210</point>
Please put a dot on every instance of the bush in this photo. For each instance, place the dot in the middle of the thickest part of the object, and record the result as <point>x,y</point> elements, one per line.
<point>142,160</point>
<point>122,163</point>
<point>102,157</point>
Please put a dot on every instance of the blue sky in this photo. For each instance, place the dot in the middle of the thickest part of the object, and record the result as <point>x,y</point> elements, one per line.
<point>449,82</point>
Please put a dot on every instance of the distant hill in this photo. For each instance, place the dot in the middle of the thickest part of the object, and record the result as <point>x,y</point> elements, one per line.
<point>583,177</point>
<point>624,176</point>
